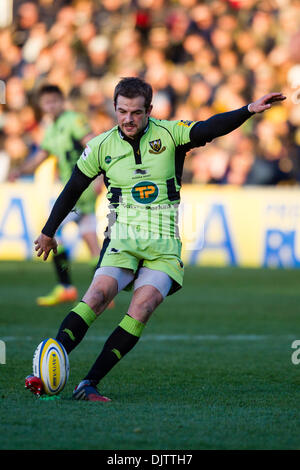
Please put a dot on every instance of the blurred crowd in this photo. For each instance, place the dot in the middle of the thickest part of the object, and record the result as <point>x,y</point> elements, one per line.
<point>201,57</point>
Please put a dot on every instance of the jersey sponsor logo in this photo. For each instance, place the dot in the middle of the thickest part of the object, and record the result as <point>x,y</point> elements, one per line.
<point>139,173</point>
<point>86,152</point>
<point>185,123</point>
<point>108,159</point>
<point>156,146</point>
<point>145,192</point>
<point>114,251</point>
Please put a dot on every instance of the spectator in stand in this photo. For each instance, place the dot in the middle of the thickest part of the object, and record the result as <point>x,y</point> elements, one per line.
<point>200,58</point>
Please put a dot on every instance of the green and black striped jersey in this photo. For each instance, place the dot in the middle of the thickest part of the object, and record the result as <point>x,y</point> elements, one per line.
<point>142,175</point>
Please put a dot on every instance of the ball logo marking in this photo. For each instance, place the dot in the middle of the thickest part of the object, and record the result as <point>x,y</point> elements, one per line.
<point>51,364</point>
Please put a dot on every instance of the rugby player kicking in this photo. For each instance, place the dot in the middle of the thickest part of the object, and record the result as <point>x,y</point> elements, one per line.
<point>141,159</point>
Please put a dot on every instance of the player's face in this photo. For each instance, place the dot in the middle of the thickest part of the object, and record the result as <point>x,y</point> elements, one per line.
<point>132,115</point>
<point>51,104</point>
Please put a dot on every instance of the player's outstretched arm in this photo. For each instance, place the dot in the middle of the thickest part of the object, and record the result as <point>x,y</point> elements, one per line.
<point>224,123</point>
<point>265,102</point>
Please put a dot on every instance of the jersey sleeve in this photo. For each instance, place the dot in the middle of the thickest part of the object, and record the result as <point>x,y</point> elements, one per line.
<point>180,131</point>
<point>67,199</point>
<point>80,126</point>
<point>88,161</point>
<point>218,125</point>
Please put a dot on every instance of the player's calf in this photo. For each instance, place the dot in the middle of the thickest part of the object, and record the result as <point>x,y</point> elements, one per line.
<point>144,301</point>
<point>75,325</point>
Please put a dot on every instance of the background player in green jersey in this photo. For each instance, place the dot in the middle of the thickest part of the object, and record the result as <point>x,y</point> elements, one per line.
<point>65,137</point>
<point>142,160</point>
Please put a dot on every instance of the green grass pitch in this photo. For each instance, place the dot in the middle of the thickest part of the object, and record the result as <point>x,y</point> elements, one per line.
<point>213,369</point>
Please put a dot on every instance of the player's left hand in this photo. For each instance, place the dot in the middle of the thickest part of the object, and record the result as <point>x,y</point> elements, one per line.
<point>265,102</point>
<point>44,244</point>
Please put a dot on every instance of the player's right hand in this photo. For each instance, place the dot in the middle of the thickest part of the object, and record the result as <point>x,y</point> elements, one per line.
<point>44,244</point>
<point>265,102</point>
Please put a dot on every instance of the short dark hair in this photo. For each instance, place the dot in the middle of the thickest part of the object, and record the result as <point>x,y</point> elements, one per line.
<point>47,88</point>
<point>131,87</point>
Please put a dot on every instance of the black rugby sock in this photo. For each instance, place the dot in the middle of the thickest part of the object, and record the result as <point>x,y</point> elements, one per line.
<point>62,268</point>
<point>75,325</point>
<point>71,331</point>
<point>119,343</point>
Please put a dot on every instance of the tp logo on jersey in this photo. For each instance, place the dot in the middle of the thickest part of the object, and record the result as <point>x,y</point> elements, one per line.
<point>145,192</point>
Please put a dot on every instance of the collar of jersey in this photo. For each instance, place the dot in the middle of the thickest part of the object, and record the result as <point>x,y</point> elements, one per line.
<point>140,134</point>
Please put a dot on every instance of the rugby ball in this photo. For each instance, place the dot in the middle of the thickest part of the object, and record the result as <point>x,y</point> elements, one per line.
<point>51,365</point>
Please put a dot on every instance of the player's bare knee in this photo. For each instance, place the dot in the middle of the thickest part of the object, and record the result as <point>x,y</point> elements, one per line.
<point>146,307</point>
<point>142,307</point>
<point>100,293</point>
<point>97,299</point>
